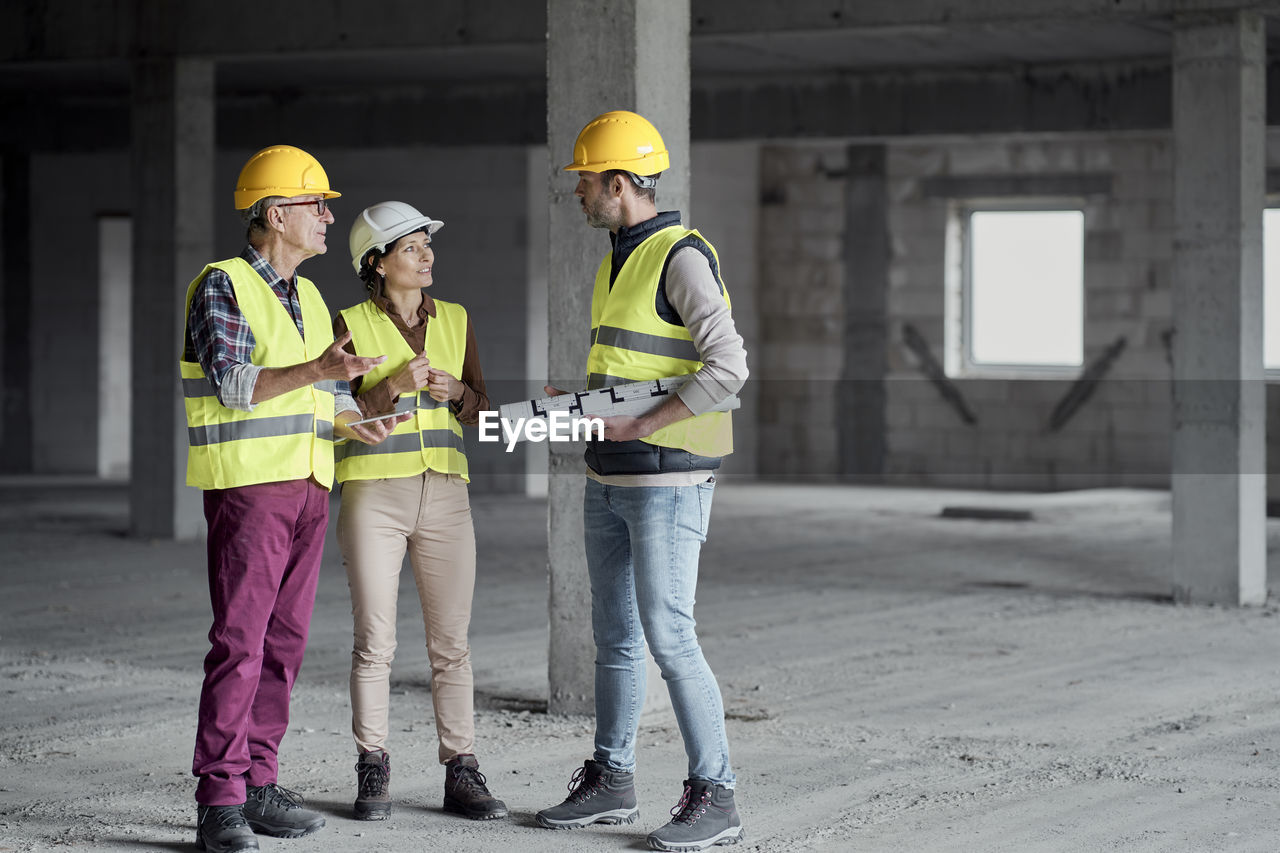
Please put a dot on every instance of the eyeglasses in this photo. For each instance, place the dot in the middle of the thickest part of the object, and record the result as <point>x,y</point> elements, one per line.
<point>320,204</point>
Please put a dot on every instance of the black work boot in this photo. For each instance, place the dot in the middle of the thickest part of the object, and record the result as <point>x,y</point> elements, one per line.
<point>272,810</point>
<point>373,786</point>
<point>704,817</point>
<point>223,829</point>
<point>465,792</point>
<point>596,795</point>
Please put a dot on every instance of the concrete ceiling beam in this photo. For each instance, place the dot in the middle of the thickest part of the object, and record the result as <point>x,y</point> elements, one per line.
<point>60,30</point>
<point>51,30</point>
<point>1118,97</point>
<point>723,17</point>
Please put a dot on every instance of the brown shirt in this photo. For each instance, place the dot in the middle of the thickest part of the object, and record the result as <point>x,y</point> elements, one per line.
<point>380,399</point>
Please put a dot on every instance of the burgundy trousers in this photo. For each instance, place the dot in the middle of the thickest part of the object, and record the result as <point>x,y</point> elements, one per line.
<point>265,545</point>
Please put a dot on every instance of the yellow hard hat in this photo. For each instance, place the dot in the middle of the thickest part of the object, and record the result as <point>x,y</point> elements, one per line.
<point>281,170</point>
<point>619,140</point>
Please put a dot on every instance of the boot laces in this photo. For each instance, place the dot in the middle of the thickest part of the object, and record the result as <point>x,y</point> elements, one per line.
<point>373,777</point>
<point>283,798</point>
<point>470,777</point>
<point>689,809</point>
<point>228,817</point>
<point>582,788</point>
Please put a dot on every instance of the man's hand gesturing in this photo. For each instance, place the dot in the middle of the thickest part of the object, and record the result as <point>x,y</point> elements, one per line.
<point>336,363</point>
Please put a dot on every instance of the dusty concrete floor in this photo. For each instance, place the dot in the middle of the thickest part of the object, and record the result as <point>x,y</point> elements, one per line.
<point>894,681</point>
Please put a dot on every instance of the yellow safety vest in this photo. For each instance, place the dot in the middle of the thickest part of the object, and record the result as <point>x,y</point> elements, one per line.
<point>289,437</point>
<point>432,439</point>
<point>631,343</point>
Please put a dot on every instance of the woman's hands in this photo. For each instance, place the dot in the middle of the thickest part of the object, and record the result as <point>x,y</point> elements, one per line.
<point>442,387</point>
<point>418,374</point>
<point>414,375</point>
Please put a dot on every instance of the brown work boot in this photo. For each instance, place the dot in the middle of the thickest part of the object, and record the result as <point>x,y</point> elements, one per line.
<point>373,786</point>
<point>465,792</point>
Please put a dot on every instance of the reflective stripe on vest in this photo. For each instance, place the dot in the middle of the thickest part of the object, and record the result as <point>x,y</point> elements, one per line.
<point>289,437</point>
<point>432,439</point>
<point>630,342</point>
<point>604,380</point>
<point>651,344</point>
<point>410,442</point>
<point>202,387</point>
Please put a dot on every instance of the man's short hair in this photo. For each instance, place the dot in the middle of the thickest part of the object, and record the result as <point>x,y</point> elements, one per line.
<point>650,192</point>
<point>255,216</point>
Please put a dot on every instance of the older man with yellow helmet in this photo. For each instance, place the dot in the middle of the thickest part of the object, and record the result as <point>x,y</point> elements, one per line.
<point>265,391</point>
<point>659,309</point>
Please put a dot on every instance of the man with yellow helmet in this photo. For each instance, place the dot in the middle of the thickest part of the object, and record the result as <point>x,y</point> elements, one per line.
<point>265,391</point>
<point>659,309</point>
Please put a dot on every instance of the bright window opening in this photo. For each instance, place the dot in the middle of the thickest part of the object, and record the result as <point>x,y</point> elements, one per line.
<point>1271,288</point>
<point>1024,288</point>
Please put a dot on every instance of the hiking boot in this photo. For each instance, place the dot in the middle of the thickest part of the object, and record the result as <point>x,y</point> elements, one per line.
<point>275,811</point>
<point>373,783</point>
<point>223,829</point>
<point>704,817</point>
<point>596,795</point>
<point>465,792</point>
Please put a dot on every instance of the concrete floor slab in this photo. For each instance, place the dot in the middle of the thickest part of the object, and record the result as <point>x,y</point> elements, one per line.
<point>893,681</point>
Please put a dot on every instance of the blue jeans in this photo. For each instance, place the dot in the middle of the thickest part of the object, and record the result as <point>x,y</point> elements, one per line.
<point>642,555</point>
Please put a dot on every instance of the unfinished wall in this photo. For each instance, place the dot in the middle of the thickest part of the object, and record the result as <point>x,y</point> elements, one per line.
<point>801,303</point>
<point>1024,434</point>
<point>1020,437</point>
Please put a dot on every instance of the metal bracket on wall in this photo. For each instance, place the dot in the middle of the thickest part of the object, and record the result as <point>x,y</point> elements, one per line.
<point>929,366</point>
<point>1082,389</point>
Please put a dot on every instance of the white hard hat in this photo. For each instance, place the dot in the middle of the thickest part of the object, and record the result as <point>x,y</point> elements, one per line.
<point>384,223</point>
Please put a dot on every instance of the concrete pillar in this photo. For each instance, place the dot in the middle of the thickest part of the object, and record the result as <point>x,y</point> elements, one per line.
<point>537,333</point>
<point>860,406</point>
<point>1219,488</point>
<point>15,312</point>
<point>173,166</point>
<point>601,55</point>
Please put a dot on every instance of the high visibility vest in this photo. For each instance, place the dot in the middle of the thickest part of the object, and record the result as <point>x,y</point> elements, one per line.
<point>432,438</point>
<point>289,437</point>
<point>630,342</point>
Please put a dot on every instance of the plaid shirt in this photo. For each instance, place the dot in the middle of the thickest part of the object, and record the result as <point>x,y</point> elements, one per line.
<point>219,337</point>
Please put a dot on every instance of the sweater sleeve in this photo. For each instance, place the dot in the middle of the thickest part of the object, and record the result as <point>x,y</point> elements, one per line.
<point>694,293</point>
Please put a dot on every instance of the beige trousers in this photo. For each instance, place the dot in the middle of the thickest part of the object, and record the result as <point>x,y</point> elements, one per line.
<point>429,516</point>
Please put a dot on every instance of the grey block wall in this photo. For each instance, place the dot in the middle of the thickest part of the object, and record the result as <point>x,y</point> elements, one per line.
<point>1120,436</point>
<point>800,301</point>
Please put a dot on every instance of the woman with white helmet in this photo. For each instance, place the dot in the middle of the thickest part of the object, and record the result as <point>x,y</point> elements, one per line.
<point>411,494</point>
